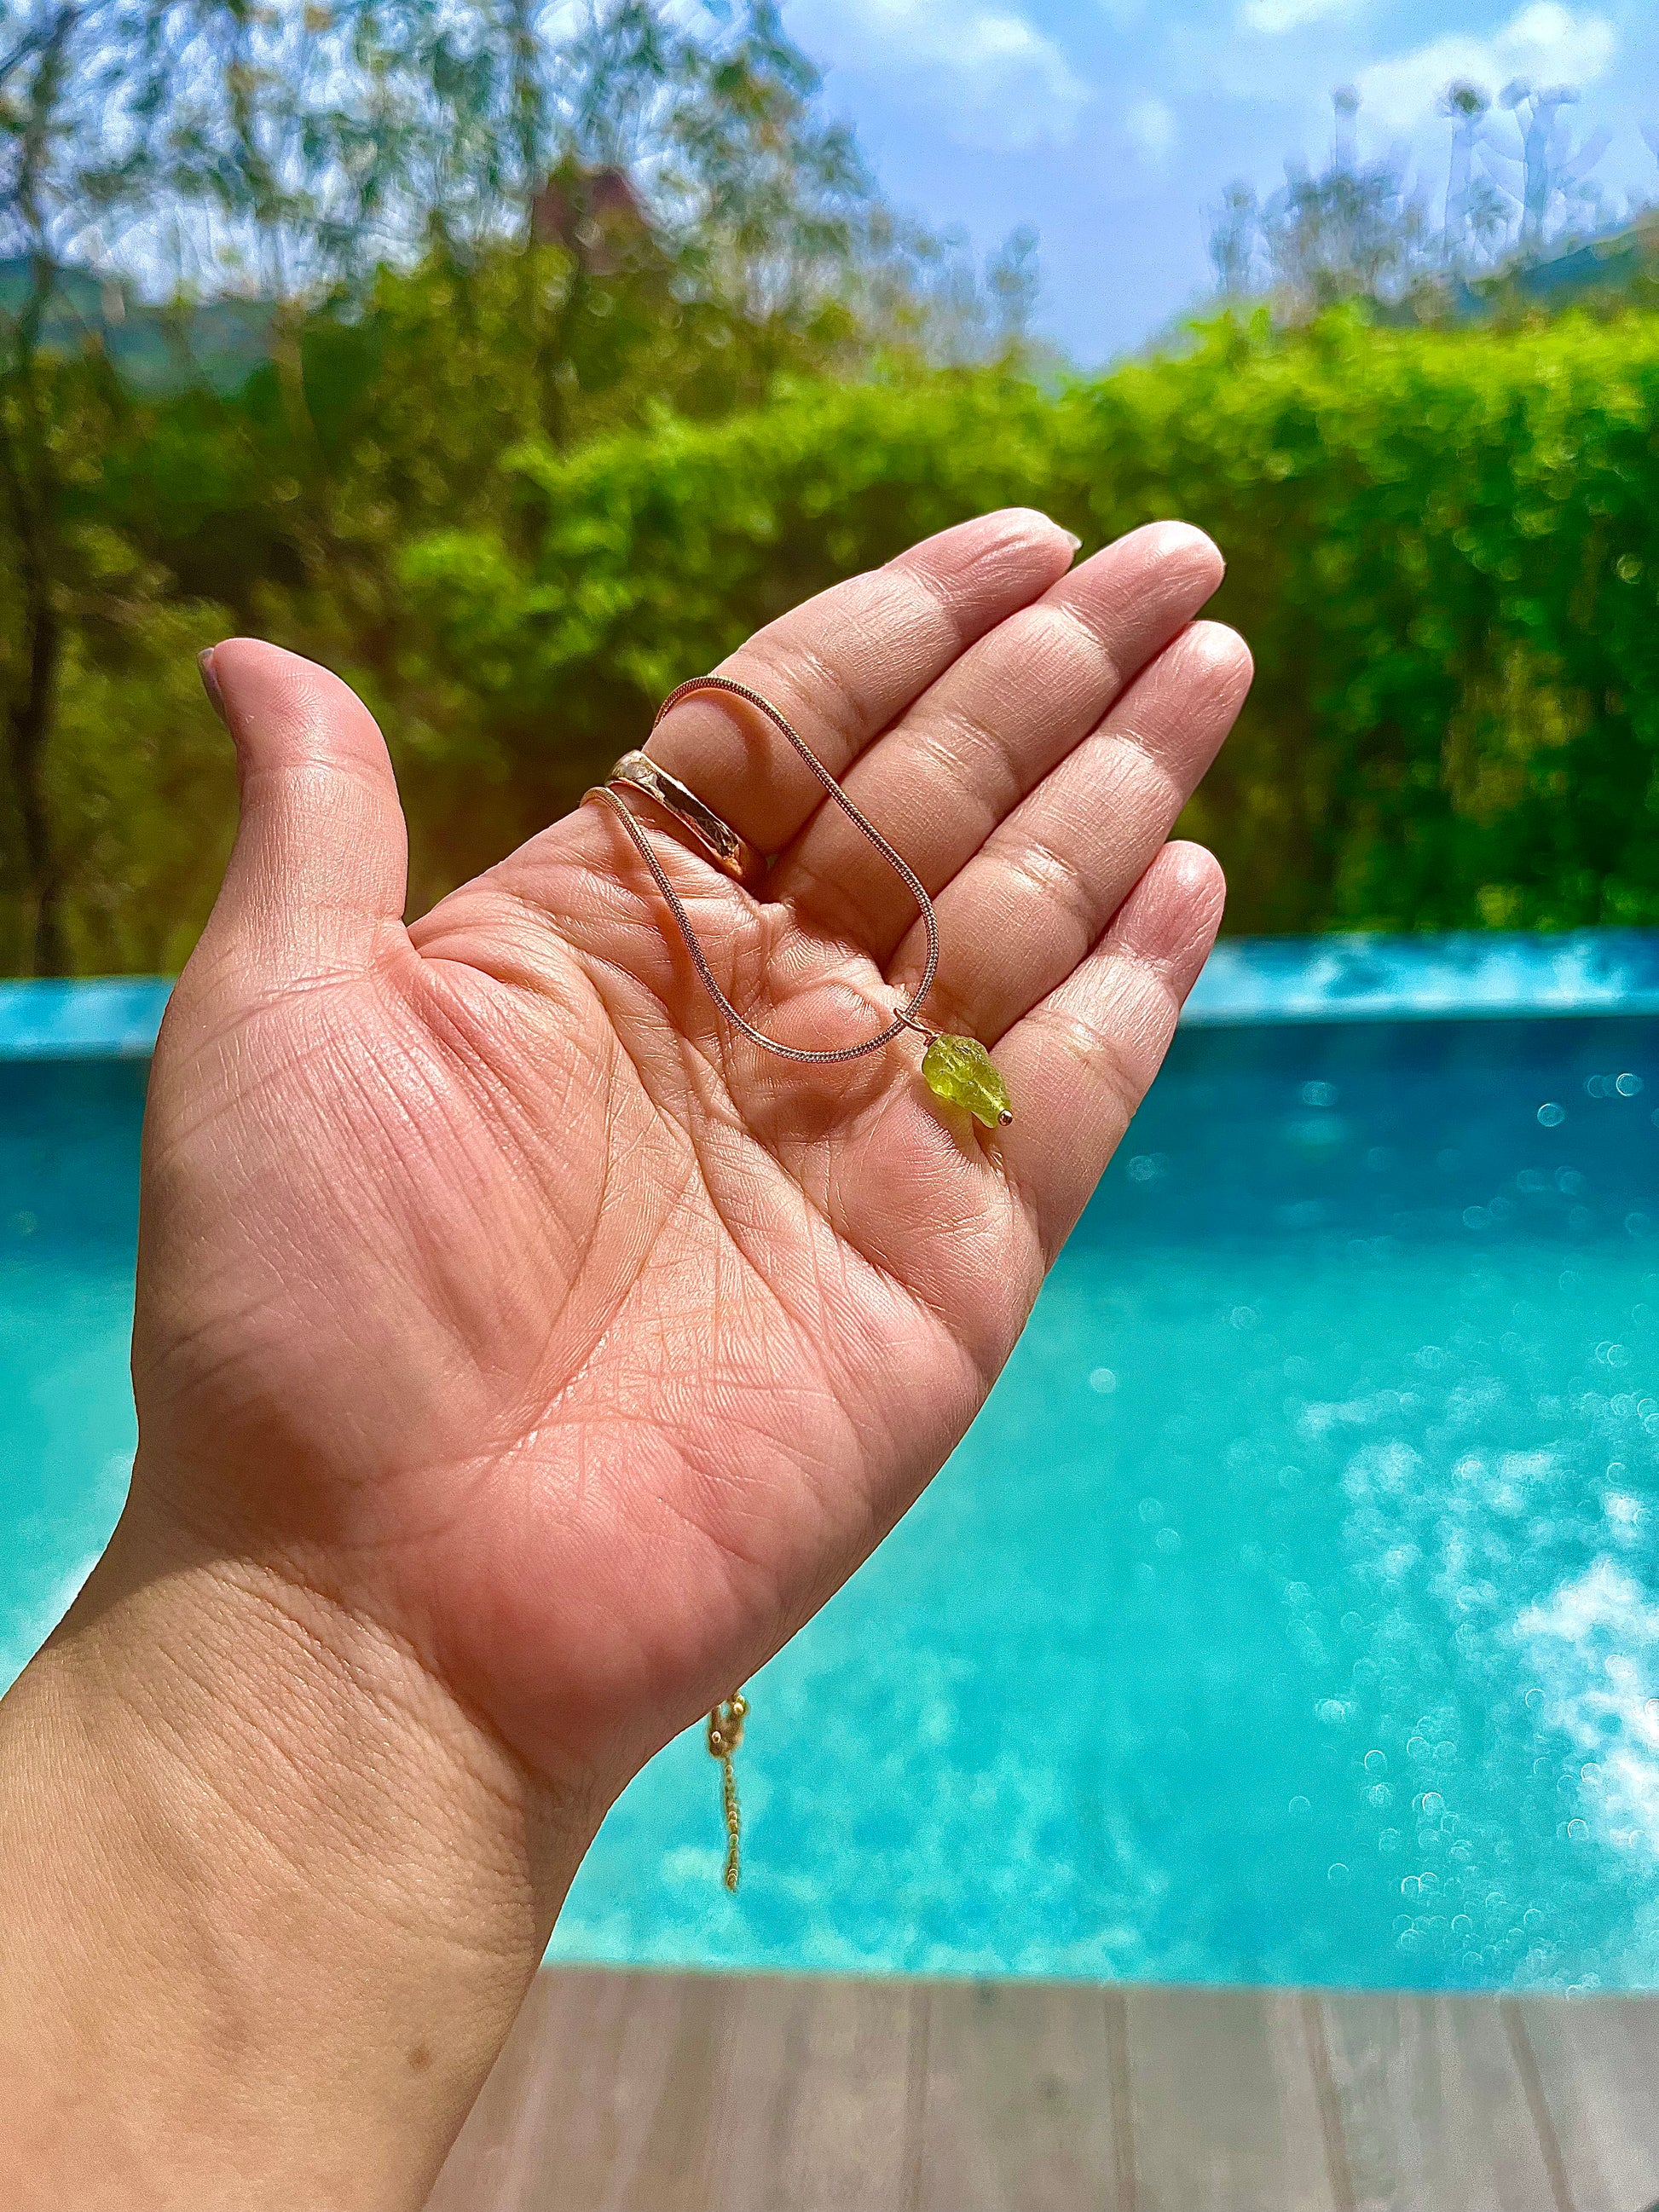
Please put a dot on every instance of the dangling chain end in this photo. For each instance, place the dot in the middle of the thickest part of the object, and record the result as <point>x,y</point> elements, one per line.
<point>725,1734</point>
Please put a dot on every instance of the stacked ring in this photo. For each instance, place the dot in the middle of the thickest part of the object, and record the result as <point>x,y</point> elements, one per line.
<point>717,840</point>
<point>957,1068</point>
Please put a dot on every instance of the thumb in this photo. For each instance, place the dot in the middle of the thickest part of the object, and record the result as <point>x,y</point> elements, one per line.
<point>320,865</point>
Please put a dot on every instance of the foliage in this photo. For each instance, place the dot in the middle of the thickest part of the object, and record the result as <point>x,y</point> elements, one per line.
<point>1352,230</point>
<point>1443,548</point>
<point>1514,193</point>
<point>1444,552</point>
<point>430,229</point>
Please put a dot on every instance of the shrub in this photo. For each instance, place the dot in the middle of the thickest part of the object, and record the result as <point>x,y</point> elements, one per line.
<point>1443,550</point>
<point>1442,547</point>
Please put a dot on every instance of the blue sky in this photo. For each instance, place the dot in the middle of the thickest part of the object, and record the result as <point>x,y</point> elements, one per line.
<point>1109,126</point>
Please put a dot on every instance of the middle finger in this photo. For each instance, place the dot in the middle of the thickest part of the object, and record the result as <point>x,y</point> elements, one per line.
<point>990,728</point>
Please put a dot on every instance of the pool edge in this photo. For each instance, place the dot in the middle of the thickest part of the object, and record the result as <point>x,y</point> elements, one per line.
<point>1248,982</point>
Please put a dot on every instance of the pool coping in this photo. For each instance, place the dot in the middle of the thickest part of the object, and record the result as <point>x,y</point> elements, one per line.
<point>1250,981</point>
<point>104,1017</point>
<point>1459,974</point>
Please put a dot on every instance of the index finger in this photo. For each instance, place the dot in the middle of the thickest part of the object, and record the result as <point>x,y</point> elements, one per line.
<point>845,665</point>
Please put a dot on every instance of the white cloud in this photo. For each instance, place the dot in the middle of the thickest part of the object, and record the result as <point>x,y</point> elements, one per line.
<point>1274,16</point>
<point>1546,42</point>
<point>1003,83</point>
<point>1150,124</point>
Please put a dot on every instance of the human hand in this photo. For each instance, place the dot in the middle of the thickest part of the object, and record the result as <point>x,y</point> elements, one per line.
<point>492,1288</point>
<point>520,1357</point>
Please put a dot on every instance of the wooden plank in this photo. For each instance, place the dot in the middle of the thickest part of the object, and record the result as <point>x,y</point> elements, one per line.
<point>1018,2105</point>
<point>812,2103</point>
<point>1597,2061</point>
<point>1224,2106</point>
<point>1434,2111</point>
<point>652,2148</point>
<point>681,2093</point>
<point>495,2161</point>
<point>685,2093</point>
<point>603,2101</point>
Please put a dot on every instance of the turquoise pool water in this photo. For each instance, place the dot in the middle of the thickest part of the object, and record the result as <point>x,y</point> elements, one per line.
<point>1291,1615</point>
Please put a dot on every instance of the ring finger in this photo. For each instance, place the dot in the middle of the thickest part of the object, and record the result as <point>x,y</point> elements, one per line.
<point>1028,908</point>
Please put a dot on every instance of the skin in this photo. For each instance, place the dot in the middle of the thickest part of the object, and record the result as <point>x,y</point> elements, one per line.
<point>521,1358</point>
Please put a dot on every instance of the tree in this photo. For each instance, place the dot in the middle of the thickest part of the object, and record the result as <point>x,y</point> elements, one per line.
<point>1357,230</point>
<point>1235,233</point>
<point>451,227</point>
<point>164,142</point>
<point>1475,217</point>
<point>1353,230</point>
<point>76,148</point>
<point>1546,171</point>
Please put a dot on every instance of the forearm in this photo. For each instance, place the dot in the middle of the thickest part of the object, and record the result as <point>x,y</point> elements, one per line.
<point>272,1900</point>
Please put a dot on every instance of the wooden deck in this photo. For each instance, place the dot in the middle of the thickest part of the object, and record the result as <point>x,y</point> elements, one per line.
<point>690,2093</point>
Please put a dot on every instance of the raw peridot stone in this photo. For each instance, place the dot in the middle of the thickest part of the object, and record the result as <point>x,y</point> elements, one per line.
<point>959,1068</point>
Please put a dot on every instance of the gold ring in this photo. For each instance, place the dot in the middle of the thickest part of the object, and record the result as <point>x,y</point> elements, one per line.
<point>716,840</point>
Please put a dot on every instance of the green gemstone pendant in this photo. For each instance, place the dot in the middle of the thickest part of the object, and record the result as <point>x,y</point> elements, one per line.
<point>960,1070</point>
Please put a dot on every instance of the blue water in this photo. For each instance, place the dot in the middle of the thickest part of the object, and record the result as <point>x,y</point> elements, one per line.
<point>1291,1615</point>
<point>69,1215</point>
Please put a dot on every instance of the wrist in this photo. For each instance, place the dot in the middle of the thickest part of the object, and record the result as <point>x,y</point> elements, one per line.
<point>267,1864</point>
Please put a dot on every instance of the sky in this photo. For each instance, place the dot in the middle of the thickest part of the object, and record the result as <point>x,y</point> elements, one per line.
<point>1110,126</point>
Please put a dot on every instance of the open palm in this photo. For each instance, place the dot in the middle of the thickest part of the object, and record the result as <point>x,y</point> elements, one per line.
<point>494,1288</point>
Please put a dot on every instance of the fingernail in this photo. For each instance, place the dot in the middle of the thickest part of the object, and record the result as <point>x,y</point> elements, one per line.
<point>210,685</point>
<point>1074,541</point>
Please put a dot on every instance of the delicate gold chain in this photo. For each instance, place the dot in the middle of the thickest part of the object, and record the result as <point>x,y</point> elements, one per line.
<point>733,1823</point>
<point>725,1734</point>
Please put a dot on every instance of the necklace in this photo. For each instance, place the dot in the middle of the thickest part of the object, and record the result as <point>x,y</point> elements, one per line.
<point>957,1069</point>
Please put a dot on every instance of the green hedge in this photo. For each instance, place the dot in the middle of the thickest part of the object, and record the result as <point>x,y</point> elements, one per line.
<point>1443,550</point>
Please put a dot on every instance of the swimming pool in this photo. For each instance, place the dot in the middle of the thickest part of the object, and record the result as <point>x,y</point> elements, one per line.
<point>1291,1614</point>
